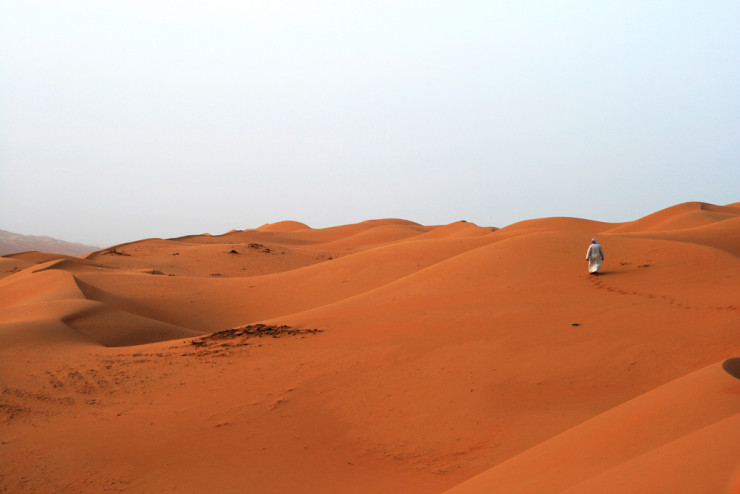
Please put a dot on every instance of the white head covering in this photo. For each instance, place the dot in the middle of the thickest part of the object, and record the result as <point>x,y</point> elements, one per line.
<point>593,240</point>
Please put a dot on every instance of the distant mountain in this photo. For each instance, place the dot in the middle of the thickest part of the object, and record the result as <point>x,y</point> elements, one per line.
<point>10,243</point>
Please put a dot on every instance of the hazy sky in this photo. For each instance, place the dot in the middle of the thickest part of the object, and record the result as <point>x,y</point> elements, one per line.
<point>121,120</point>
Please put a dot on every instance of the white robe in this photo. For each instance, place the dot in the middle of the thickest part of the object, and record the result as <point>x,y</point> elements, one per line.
<point>594,256</point>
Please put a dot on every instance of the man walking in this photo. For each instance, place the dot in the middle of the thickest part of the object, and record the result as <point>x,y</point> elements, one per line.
<point>594,256</point>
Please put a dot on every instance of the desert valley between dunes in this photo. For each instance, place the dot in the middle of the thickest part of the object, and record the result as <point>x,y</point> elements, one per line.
<point>380,357</point>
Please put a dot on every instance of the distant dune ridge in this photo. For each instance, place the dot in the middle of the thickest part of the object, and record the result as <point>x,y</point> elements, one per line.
<point>382,356</point>
<point>11,243</point>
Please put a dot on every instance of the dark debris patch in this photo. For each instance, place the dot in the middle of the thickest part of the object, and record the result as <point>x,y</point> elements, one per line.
<point>115,252</point>
<point>732,367</point>
<point>260,248</point>
<point>250,331</point>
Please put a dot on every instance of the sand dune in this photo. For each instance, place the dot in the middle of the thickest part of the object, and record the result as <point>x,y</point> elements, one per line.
<point>682,216</point>
<point>10,266</point>
<point>283,226</point>
<point>724,235</point>
<point>457,229</point>
<point>418,359</point>
<point>648,444</point>
<point>37,257</point>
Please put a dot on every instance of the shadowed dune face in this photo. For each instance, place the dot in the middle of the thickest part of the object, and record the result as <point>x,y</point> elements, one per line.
<point>416,359</point>
<point>732,366</point>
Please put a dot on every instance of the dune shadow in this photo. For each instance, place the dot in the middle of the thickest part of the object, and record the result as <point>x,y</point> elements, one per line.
<point>732,367</point>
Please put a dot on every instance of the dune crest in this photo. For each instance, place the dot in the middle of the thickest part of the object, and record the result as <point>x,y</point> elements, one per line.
<point>283,227</point>
<point>680,217</point>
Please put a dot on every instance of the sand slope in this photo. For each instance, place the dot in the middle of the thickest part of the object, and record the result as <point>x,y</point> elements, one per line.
<point>657,442</point>
<point>451,358</point>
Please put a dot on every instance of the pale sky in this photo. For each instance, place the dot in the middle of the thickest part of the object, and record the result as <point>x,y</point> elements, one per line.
<point>121,120</point>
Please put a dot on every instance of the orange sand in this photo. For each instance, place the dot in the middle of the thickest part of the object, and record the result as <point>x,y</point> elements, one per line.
<point>452,358</point>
